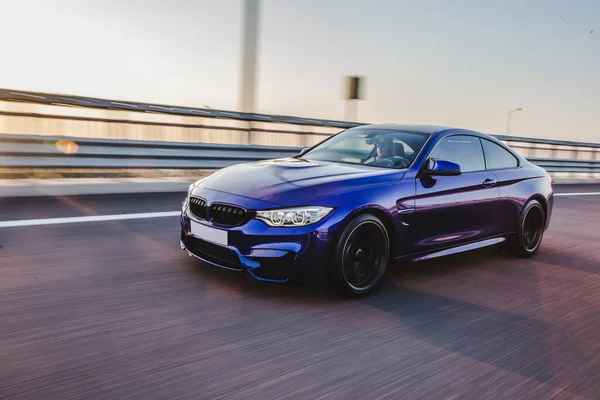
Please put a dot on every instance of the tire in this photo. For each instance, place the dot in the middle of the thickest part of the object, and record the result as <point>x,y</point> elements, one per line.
<point>530,231</point>
<point>360,257</point>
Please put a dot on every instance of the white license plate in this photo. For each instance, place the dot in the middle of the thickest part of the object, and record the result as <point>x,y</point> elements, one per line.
<point>209,234</point>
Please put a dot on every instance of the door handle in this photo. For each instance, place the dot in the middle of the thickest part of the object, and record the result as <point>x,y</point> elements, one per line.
<point>489,182</point>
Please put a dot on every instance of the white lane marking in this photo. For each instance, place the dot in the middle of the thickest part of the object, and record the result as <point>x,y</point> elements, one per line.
<point>578,194</point>
<point>117,217</point>
<point>92,218</point>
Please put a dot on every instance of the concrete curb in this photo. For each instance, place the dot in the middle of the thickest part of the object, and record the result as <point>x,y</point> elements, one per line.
<point>95,186</point>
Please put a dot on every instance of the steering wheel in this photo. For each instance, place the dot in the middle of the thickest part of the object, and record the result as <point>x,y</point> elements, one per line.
<point>384,162</point>
<point>399,159</point>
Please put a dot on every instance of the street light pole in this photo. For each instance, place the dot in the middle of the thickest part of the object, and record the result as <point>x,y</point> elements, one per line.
<point>508,118</point>
<point>249,50</point>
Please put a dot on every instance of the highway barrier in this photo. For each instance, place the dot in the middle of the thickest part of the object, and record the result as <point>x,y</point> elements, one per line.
<point>198,145</point>
<point>33,151</point>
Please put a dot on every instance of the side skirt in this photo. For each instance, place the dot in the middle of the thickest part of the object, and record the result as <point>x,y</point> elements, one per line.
<point>463,248</point>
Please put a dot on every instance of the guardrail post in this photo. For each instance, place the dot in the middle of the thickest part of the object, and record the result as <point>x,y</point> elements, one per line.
<point>575,155</point>
<point>304,137</point>
<point>250,135</point>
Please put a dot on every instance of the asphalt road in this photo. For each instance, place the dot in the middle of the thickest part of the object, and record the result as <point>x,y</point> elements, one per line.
<point>114,310</point>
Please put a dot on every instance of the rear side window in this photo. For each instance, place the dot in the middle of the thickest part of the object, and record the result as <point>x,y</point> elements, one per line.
<point>466,151</point>
<point>497,157</point>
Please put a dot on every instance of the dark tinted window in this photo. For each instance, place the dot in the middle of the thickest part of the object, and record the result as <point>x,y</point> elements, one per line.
<point>466,151</point>
<point>497,157</point>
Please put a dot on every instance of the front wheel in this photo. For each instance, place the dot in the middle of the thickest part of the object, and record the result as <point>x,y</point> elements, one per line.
<point>360,256</point>
<point>530,230</point>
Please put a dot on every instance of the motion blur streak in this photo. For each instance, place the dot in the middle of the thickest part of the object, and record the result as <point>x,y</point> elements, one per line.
<point>114,309</point>
<point>578,194</point>
<point>96,218</point>
<point>116,217</point>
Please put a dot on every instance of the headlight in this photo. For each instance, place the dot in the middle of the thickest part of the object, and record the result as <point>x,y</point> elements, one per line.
<point>300,216</point>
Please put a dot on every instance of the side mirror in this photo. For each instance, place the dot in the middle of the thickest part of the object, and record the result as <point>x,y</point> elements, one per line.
<point>436,167</point>
<point>303,151</point>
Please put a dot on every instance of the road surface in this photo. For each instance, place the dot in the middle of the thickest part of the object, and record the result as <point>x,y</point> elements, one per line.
<point>114,310</point>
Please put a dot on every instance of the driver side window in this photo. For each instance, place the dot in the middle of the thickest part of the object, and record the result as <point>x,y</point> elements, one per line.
<point>464,150</point>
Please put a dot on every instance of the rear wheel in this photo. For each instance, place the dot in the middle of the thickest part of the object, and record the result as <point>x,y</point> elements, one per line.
<point>530,230</point>
<point>360,256</point>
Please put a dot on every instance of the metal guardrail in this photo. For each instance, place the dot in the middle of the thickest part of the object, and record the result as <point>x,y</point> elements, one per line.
<point>566,165</point>
<point>19,151</point>
<point>130,106</point>
<point>32,151</point>
<point>29,151</point>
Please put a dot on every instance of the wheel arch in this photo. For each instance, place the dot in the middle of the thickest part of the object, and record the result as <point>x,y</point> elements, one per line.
<point>374,210</point>
<point>543,201</point>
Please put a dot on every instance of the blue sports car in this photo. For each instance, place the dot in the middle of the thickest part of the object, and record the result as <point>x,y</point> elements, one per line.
<point>340,212</point>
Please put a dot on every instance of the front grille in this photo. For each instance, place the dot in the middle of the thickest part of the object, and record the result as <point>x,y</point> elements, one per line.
<point>213,253</point>
<point>198,207</point>
<point>225,214</point>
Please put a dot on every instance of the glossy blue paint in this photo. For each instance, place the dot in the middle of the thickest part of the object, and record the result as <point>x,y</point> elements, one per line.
<point>426,214</point>
<point>451,210</point>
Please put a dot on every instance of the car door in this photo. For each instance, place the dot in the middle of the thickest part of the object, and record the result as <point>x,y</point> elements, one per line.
<point>453,210</point>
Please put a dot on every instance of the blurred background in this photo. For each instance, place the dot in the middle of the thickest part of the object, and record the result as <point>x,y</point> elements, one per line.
<point>109,109</point>
<point>462,63</point>
<point>525,70</point>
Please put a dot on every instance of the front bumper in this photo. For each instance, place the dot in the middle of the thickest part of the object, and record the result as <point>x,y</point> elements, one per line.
<point>265,253</point>
<point>271,265</point>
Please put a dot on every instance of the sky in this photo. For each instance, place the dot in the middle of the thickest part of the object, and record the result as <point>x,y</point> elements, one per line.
<point>462,63</point>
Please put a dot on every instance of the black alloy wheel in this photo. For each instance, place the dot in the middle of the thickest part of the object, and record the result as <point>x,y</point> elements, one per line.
<point>360,257</point>
<point>530,230</point>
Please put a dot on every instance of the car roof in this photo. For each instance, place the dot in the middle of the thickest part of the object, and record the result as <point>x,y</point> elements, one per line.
<point>425,129</point>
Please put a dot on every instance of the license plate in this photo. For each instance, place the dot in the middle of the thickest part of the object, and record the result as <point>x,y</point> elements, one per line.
<point>209,234</point>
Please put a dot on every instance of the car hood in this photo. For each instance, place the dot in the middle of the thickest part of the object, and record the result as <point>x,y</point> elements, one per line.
<point>294,181</point>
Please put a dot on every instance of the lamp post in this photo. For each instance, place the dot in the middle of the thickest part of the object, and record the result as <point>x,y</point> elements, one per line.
<point>508,118</point>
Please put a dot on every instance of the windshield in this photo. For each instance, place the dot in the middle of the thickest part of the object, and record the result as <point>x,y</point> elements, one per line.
<point>388,148</point>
